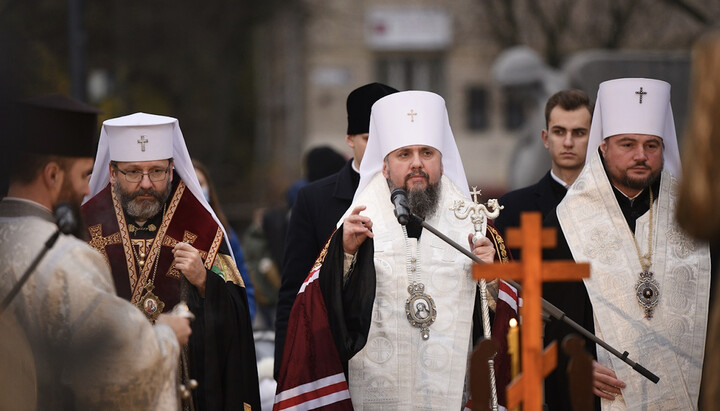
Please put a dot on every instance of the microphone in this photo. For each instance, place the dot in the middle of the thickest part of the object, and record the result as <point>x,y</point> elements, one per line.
<point>400,201</point>
<point>65,218</point>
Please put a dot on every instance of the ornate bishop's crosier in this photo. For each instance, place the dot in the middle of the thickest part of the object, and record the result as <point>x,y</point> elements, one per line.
<point>479,213</point>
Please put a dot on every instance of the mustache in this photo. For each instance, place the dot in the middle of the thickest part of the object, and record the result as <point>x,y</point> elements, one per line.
<point>417,173</point>
<point>144,192</point>
<point>643,164</point>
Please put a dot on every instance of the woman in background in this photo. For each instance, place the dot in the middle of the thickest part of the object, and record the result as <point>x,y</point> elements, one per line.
<point>211,196</point>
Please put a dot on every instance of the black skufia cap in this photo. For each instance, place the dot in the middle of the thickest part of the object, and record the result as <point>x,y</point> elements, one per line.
<point>359,103</point>
<point>322,162</point>
<point>53,124</point>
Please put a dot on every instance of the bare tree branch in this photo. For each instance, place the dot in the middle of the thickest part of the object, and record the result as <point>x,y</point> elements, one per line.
<point>502,20</point>
<point>690,9</point>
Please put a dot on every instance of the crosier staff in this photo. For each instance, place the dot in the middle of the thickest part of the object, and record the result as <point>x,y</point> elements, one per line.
<point>479,213</point>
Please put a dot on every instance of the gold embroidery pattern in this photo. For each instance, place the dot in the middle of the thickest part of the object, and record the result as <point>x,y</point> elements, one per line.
<point>99,242</point>
<point>499,245</point>
<point>228,270</point>
<point>214,248</point>
<point>127,246</point>
<point>168,241</point>
<point>142,244</point>
<point>321,258</point>
<point>137,285</point>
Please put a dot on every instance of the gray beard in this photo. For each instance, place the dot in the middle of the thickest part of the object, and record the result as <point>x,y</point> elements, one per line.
<point>422,203</point>
<point>141,209</point>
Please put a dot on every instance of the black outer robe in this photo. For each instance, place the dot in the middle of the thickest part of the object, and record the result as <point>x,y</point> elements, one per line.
<point>222,348</point>
<point>318,208</point>
<point>542,196</point>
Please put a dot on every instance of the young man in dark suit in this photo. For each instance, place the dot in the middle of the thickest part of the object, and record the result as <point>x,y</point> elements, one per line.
<point>319,206</point>
<point>567,117</point>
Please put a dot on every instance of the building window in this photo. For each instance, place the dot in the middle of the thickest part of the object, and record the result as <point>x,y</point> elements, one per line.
<point>411,72</point>
<point>477,114</point>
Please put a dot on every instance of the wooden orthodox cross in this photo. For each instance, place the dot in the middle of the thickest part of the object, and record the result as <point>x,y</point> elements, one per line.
<point>531,238</point>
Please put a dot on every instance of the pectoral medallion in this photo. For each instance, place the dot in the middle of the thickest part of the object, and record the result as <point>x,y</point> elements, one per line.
<point>647,291</point>
<point>150,304</point>
<point>420,309</point>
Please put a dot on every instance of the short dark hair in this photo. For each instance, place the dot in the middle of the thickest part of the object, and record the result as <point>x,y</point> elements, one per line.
<point>25,167</point>
<point>567,100</point>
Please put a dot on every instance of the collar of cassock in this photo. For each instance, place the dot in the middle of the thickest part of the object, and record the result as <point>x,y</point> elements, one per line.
<point>147,230</point>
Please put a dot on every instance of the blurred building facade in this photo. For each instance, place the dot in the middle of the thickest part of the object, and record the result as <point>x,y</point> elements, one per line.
<point>312,53</point>
<point>315,52</point>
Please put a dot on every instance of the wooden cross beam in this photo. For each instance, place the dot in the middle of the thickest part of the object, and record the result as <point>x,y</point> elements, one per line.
<point>531,238</point>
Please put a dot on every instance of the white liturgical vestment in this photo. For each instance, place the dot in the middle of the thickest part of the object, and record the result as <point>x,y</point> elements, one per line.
<point>671,343</point>
<point>397,369</point>
<point>91,349</point>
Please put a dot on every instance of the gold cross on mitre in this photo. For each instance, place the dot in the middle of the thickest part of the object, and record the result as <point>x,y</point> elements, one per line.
<point>531,238</point>
<point>142,140</point>
<point>412,115</point>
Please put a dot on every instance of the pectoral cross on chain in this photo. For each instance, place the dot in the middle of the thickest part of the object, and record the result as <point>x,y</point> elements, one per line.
<point>412,115</point>
<point>641,93</point>
<point>142,140</point>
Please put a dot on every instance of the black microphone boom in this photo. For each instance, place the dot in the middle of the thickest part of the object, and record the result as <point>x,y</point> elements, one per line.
<point>400,201</point>
<point>549,308</point>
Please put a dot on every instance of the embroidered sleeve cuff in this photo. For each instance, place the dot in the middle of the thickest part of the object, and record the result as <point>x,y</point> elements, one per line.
<point>348,265</point>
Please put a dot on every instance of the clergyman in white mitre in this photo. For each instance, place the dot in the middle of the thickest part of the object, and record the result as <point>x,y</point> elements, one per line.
<point>413,292</point>
<point>649,285</point>
<point>148,216</point>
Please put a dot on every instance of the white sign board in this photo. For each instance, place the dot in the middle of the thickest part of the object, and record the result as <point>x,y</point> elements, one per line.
<point>408,28</point>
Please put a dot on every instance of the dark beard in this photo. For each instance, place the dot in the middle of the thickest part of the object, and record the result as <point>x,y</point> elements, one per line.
<point>424,202</point>
<point>142,209</point>
<point>74,200</point>
<point>639,184</point>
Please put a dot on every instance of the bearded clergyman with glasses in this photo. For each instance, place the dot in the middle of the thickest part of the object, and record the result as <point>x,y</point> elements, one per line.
<point>148,216</point>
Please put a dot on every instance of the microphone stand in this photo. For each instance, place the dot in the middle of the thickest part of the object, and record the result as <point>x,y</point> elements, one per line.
<point>548,308</point>
<point>16,289</point>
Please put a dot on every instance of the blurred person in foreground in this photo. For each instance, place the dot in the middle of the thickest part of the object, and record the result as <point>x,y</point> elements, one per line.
<point>208,189</point>
<point>699,202</point>
<point>91,349</point>
<point>319,207</point>
<point>147,214</point>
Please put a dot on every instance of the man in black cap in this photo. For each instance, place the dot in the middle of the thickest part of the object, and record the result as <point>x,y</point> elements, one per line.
<point>320,205</point>
<point>88,348</point>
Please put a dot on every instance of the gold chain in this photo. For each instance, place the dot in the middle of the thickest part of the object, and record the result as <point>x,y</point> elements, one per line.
<point>150,280</point>
<point>646,261</point>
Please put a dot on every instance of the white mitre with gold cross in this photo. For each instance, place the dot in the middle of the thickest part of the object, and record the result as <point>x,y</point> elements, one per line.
<point>145,137</point>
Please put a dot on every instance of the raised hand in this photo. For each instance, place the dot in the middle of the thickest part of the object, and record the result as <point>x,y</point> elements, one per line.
<point>356,228</point>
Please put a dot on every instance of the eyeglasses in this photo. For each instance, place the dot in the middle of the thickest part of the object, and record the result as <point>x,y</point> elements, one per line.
<point>137,176</point>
